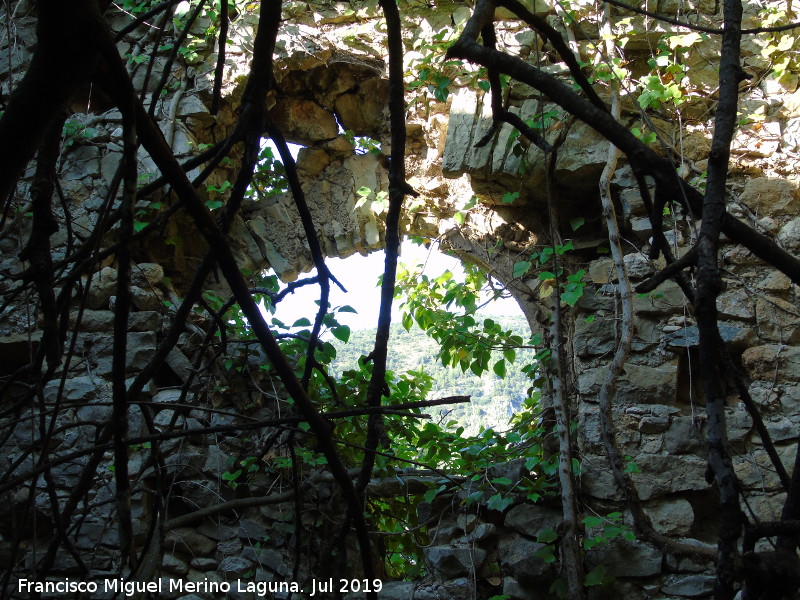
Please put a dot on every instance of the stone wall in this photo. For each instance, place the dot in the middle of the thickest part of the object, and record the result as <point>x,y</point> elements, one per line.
<point>476,553</point>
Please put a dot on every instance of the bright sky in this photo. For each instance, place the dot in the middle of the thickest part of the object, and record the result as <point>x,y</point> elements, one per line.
<point>359,275</point>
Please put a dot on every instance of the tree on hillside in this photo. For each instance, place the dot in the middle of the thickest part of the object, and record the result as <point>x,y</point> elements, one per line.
<point>31,138</point>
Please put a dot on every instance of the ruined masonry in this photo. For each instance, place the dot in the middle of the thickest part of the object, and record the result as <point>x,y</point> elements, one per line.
<point>332,78</point>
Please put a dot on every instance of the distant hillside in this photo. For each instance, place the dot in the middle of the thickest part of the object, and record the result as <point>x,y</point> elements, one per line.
<point>494,400</point>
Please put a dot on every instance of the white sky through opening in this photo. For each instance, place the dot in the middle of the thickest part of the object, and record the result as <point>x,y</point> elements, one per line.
<point>360,275</point>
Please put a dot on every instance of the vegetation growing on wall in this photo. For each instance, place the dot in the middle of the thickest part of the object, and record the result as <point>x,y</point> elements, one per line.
<point>363,422</point>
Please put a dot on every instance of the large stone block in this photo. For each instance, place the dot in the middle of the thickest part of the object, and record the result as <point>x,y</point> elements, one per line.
<point>767,196</point>
<point>304,121</point>
<point>673,516</point>
<point>662,475</point>
<point>517,557</point>
<point>627,559</point>
<point>530,519</point>
<point>451,562</point>
<point>764,362</point>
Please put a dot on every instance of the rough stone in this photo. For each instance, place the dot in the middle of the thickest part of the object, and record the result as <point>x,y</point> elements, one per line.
<point>217,531</point>
<point>654,424</point>
<point>662,475</point>
<point>266,557</point>
<point>601,271</point>
<point>766,196</point>
<point>595,338</point>
<point>234,565</point>
<point>76,388</point>
<point>145,320</point>
<point>642,384</point>
<point>763,362</point>
<point>141,347</point>
<point>102,287</point>
<point>229,547</point>
<point>93,321</point>
<point>312,160</point>
<point>174,565</point>
<point>188,541</point>
<point>689,337</point>
<point>666,299</point>
<point>776,320</point>
<point>736,304</point>
<point>627,559</point>
<point>363,112</point>
<point>146,275</point>
<point>672,516</point>
<point>517,558</point>
<point>304,122</point>
<point>638,266</point>
<point>692,586</point>
<point>251,530</point>
<point>530,519</point>
<point>451,562</point>
<point>789,235</point>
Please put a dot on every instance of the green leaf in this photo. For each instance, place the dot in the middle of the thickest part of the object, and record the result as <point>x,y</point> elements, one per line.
<point>521,267</point>
<point>347,309</point>
<point>459,218</point>
<point>408,321</point>
<point>213,204</point>
<point>546,536</point>
<point>559,587</point>
<point>546,554</point>
<point>498,502</point>
<point>596,576</point>
<point>341,333</point>
<point>509,197</point>
<point>484,85</point>
<point>303,322</point>
<point>576,223</point>
<point>592,521</point>
<point>500,369</point>
<point>502,481</point>
<point>476,368</point>
<point>571,298</point>
<point>363,191</point>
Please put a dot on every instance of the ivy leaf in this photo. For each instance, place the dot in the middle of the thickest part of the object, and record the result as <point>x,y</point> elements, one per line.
<point>509,197</point>
<point>407,321</point>
<point>341,333</point>
<point>576,223</point>
<point>500,369</point>
<point>592,521</point>
<point>596,576</point>
<point>571,297</point>
<point>521,267</point>
<point>546,554</point>
<point>546,536</point>
<point>497,502</point>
